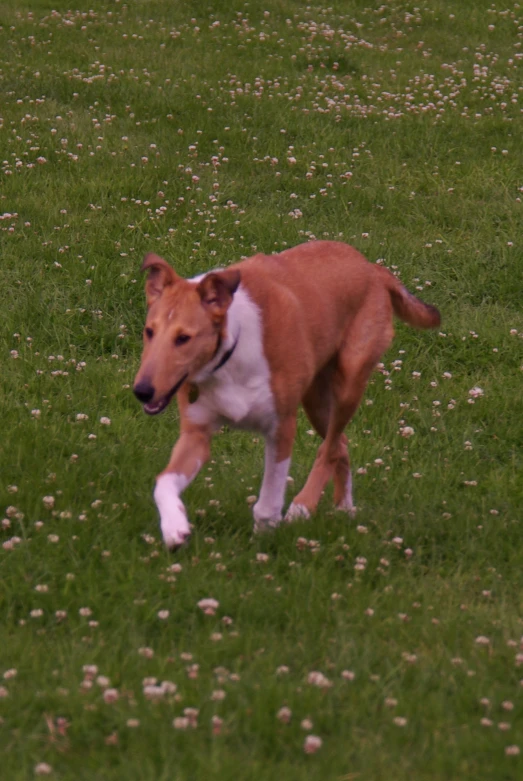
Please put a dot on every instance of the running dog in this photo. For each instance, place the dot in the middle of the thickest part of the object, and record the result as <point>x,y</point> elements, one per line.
<point>246,345</point>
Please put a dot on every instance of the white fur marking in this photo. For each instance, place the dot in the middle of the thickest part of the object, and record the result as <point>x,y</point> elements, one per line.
<point>267,510</point>
<point>240,392</point>
<point>347,503</point>
<point>296,511</point>
<point>173,518</point>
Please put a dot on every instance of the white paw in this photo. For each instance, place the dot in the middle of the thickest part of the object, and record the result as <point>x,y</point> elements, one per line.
<point>174,524</point>
<point>296,511</point>
<point>347,507</point>
<point>265,518</point>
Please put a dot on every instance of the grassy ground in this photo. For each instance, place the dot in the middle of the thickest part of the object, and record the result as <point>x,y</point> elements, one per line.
<point>206,133</point>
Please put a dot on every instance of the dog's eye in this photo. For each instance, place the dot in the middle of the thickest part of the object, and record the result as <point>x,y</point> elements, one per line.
<point>181,339</point>
<point>149,333</point>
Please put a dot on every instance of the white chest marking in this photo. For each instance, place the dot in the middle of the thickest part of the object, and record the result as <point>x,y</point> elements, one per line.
<point>240,392</point>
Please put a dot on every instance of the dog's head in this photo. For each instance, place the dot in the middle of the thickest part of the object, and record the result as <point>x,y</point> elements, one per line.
<point>185,323</point>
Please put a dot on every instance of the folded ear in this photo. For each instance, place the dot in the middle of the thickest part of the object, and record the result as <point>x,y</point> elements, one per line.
<point>216,291</point>
<point>160,276</point>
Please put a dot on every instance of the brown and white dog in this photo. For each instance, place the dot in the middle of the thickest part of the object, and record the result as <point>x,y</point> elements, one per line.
<point>248,344</point>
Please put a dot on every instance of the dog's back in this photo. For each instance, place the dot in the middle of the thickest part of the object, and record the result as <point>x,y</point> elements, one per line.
<point>313,293</point>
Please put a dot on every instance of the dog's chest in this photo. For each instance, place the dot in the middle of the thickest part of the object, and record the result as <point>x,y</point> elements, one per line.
<point>240,402</point>
<point>240,393</point>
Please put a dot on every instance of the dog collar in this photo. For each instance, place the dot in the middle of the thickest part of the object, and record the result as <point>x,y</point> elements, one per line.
<point>227,354</point>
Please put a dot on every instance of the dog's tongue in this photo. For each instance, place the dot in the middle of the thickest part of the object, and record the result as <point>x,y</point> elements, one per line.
<point>154,409</point>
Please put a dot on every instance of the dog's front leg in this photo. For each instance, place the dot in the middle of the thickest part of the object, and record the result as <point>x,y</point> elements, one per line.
<point>278,448</point>
<point>189,454</point>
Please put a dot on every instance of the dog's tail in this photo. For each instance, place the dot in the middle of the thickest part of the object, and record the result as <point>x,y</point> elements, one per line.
<point>407,307</point>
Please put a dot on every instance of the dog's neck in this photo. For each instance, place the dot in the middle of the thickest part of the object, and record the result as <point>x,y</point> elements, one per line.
<point>225,356</point>
<point>235,355</point>
<point>225,348</point>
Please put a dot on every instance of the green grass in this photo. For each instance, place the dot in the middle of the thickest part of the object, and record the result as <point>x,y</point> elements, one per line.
<point>126,104</point>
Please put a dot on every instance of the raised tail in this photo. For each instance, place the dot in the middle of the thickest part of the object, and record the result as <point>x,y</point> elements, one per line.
<point>408,307</point>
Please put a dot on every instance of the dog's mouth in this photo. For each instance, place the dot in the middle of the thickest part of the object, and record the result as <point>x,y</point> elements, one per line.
<point>154,408</point>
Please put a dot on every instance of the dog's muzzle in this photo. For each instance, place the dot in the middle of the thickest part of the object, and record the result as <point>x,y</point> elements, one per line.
<point>144,392</point>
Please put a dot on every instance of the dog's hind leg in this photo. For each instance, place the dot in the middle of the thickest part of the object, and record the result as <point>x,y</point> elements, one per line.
<point>318,403</point>
<point>356,360</point>
<point>329,464</point>
<point>365,342</point>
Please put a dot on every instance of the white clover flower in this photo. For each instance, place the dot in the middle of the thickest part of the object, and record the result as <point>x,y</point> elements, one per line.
<point>148,653</point>
<point>482,640</point>
<point>476,392</point>
<point>284,715</point>
<point>110,695</point>
<point>209,606</point>
<point>43,769</point>
<point>312,744</point>
<point>316,678</point>
<point>400,721</point>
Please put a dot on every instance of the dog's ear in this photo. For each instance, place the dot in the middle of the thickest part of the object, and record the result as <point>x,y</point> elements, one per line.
<point>216,291</point>
<point>160,276</point>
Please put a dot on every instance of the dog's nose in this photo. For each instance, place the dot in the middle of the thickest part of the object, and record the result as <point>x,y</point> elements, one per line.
<point>143,391</point>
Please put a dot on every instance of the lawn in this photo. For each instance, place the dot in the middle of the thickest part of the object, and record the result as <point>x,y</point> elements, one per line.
<point>381,648</point>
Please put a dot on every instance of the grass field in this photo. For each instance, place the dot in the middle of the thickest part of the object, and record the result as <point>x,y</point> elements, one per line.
<point>206,132</point>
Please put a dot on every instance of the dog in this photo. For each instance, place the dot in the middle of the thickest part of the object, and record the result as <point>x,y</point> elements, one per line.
<point>246,345</point>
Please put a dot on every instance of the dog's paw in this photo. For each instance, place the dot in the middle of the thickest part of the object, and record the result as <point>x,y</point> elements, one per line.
<point>262,525</point>
<point>345,507</point>
<point>265,519</point>
<point>267,515</point>
<point>175,526</point>
<point>296,511</point>
<point>174,523</point>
